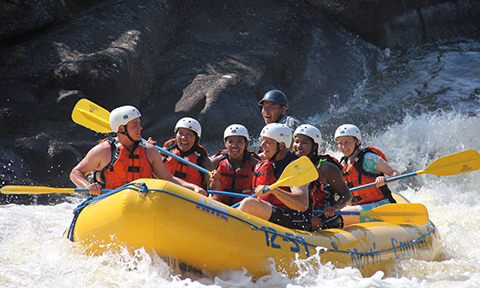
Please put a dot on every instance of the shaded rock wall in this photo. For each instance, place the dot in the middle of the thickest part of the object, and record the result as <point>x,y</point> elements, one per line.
<point>401,24</point>
<point>212,60</point>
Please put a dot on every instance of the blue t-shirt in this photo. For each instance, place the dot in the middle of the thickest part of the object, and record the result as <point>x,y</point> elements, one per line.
<point>370,162</point>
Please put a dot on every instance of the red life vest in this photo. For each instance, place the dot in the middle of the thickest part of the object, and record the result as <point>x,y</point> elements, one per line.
<point>184,171</point>
<point>317,192</point>
<point>238,180</point>
<point>264,175</point>
<point>355,175</point>
<point>125,166</point>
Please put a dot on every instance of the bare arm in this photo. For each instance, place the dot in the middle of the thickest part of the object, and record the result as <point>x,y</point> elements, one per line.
<point>97,158</point>
<point>190,186</point>
<point>207,164</point>
<point>158,168</point>
<point>385,168</point>
<point>333,176</point>
<point>297,199</point>
<point>161,172</point>
<point>216,160</point>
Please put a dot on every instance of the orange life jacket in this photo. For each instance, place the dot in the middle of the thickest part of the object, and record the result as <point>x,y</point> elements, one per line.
<point>184,171</point>
<point>125,166</point>
<point>355,175</point>
<point>238,180</point>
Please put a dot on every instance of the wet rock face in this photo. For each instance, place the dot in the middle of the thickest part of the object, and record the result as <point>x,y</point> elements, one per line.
<point>22,19</point>
<point>401,24</point>
<point>212,60</point>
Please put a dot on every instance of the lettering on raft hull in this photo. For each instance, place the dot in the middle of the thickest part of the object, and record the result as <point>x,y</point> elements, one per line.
<point>403,250</point>
<point>362,260</point>
<point>212,208</point>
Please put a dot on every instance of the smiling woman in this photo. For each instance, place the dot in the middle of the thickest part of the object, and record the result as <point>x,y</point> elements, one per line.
<point>186,144</point>
<point>234,166</point>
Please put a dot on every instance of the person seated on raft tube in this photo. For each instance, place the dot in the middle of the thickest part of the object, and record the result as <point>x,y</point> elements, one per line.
<point>274,110</point>
<point>363,166</point>
<point>306,142</point>
<point>186,145</point>
<point>285,206</point>
<point>233,166</point>
<point>119,160</point>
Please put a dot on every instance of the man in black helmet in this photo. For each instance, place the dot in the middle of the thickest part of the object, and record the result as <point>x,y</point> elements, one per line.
<point>274,110</point>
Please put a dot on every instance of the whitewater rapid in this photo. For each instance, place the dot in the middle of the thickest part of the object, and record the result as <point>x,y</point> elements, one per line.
<point>34,253</point>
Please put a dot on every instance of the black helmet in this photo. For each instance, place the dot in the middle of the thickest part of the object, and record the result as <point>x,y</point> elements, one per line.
<point>274,96</point>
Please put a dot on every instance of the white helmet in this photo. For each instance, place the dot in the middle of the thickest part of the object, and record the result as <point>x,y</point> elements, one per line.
<point>122,115</point>
<point>348,130</point>
<point>189,123</point>
<point>279,132</point>
<point>310,131</point>
<point>236,130</point>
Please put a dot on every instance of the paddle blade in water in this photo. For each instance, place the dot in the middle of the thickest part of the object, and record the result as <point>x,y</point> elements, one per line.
<point>92,116</point>
<point>297,173</point>
<point>457,163</point>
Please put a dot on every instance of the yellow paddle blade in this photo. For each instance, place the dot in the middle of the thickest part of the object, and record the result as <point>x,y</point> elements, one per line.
<point>406,214</point>
<point>297,173</point>
<point>16,189</point>
<point>457,163</point>
<point>92,116</point>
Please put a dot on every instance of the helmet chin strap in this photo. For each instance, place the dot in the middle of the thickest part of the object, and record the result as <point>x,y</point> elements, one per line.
<point>356,147</point>
<point>276,153</point>
<point>126,134</point>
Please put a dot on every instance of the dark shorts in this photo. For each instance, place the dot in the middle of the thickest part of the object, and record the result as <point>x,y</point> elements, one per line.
<point>335,221</point>
<point>289,218</point>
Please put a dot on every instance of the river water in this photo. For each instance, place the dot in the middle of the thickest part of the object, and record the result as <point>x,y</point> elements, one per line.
<point>416,107</point>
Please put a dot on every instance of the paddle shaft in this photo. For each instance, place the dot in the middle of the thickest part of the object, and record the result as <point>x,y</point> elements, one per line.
<point>96,122</point>
<point>18,189</point>
<point>391,217</point>
<point>402,213</point>
<point>185,161</point>
<point>353,212</point>
<point>387,180</point>
<point>457,163</point>
<point>226,193</point>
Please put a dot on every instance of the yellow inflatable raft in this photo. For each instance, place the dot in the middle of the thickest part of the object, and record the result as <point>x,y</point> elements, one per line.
<point>175,222</point>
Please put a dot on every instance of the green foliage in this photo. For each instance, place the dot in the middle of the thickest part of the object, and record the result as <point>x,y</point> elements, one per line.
<point>18,56</point>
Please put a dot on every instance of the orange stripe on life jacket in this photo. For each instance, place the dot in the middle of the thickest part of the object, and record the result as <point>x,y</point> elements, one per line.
<point>126,166</point>
<point>238,180</point>
<point>355,175</point>
<point>184,171</point>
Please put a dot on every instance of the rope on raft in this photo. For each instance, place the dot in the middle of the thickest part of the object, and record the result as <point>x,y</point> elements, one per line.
<point>142,188</point>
